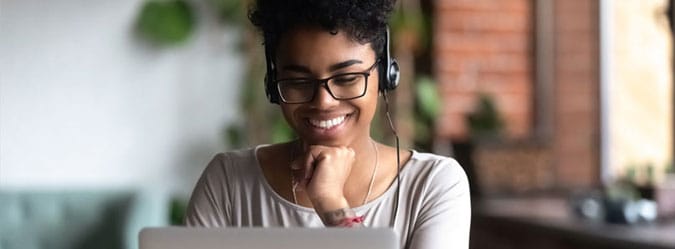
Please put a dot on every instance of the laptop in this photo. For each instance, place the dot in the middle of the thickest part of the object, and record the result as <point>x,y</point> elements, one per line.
<point>265,238</point>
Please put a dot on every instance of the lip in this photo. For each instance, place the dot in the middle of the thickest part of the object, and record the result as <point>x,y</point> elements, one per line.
<point>327,123</point>
<point>330,133</point>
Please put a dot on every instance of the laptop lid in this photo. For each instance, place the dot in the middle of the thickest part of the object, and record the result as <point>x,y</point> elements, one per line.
<point>265,238</point>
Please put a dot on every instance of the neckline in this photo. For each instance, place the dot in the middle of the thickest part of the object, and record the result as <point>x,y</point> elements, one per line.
<point>391,190</point>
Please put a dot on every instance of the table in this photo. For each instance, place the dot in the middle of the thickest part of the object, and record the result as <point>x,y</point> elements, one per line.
<point>547,222</point>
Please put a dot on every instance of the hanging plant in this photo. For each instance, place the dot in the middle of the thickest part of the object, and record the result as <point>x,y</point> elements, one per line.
<point>428,100</point>
<point>428,105</point>
<point>413,28</point>
<point>165,22</point>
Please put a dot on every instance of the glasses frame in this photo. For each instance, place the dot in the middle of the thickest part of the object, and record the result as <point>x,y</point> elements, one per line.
<point>324,83</point>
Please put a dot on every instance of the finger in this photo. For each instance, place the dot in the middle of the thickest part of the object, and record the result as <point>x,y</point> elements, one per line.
<point>296,165</point>
<point>310,161</point>
<point>301,185</point>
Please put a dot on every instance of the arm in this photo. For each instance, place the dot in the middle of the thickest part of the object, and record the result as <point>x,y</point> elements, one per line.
<point>321,172</point>
<point>445,217</point>
<point>209,206</point>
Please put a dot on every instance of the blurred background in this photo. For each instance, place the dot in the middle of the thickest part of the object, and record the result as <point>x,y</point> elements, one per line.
<point>560,111</point>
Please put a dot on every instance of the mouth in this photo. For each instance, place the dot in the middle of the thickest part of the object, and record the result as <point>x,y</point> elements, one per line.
<point>327,124</point>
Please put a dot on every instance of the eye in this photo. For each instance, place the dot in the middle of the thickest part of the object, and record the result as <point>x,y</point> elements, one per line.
<point>295,83</point>
<point>347,79</point>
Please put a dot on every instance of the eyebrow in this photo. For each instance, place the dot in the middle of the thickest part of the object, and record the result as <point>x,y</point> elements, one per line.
<point>332,68</point>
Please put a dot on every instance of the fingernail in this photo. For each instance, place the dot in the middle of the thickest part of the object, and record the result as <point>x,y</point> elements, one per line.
<point>295,166</point>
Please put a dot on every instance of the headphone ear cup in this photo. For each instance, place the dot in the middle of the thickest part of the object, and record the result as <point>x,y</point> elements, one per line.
<point>389,70</point>
<point>393,75</point>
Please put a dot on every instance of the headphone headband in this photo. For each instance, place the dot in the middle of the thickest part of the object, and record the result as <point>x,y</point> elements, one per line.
<point>390,71</point>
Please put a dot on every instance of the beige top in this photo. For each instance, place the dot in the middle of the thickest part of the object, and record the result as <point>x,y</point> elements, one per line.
<point>434,207</point>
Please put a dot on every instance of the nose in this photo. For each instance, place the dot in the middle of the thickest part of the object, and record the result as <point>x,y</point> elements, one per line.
<point>323,98</point>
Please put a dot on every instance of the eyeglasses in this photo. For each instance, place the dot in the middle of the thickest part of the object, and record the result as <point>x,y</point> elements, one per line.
<point>343,86</point>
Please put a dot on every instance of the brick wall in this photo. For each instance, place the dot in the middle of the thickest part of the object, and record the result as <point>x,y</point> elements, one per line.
<point>488,46</point>
<point>484,46</point>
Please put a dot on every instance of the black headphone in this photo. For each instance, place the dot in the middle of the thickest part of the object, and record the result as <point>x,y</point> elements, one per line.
<point>388,71</point>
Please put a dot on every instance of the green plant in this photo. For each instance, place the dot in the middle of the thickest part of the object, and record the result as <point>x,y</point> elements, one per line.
<point>622,191</point>
<point>234,135</point>
<point>428,100</point>
<point>177,210</point>
<point>649,168</point>
<point>165,22</point>
<point>485,121</point>
<point>415,25</point>
<point>231,11</point>
<point>631,173</point>
<point>281,132</point>
<point>428,105</point>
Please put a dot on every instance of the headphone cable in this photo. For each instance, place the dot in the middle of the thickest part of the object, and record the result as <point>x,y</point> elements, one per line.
<point>398,158</point>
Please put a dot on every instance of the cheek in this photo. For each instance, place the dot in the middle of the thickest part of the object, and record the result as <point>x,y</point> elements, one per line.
<point>288,114</point>
<point>369,103</point>
<point>373,91</point>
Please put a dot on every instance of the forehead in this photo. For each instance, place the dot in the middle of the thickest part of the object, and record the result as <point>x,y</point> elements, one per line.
<point>318,48</point>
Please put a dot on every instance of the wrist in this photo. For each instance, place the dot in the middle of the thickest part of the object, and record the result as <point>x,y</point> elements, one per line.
<point>344,217</point>
<point>328,204</point>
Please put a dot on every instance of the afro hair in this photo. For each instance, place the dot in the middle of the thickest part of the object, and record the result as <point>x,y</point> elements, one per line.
<point>364,21</point>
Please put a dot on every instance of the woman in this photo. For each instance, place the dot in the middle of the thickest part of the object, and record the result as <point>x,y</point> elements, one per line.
<point>327,62</point>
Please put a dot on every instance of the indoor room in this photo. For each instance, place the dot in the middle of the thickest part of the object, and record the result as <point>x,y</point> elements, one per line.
<point>559,112</point>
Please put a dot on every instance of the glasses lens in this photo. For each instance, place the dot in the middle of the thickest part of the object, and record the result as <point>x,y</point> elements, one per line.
<point>296,90</point>
<point>342,86</point>
<point>348,86</point>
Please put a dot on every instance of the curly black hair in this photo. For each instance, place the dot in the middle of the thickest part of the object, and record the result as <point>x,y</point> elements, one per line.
<point>364,21</point>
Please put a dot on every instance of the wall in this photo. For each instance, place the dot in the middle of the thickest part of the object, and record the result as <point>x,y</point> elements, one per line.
<point>484,46</point>
<point>641,108</point>
<point>83,103</point>
<point>545,85</point>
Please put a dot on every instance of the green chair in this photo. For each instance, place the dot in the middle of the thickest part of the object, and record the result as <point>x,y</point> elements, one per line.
<point>78,219</point>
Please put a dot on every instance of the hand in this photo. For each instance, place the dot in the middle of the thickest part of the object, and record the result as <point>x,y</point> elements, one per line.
<point>321,172</point>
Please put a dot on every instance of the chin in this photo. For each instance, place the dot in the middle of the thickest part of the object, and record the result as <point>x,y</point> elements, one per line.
<point>313,140</point>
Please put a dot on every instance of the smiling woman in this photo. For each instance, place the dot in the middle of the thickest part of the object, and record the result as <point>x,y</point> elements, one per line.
<point>327,63</point>
<point>302,53</point>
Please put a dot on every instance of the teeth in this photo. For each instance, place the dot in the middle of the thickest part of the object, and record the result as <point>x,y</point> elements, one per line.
<point>327,124</point>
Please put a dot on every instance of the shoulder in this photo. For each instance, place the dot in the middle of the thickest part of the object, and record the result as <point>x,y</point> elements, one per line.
<point>236,156</point>
<point>436,165</point>
<point>236,162</point>
<point>440,200</point>
<point>436,172</point>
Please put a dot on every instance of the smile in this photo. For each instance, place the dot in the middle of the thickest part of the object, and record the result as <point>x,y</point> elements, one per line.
<point>327,124</point>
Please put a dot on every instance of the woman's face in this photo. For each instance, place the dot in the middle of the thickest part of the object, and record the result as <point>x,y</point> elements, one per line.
<point>316,53</point>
